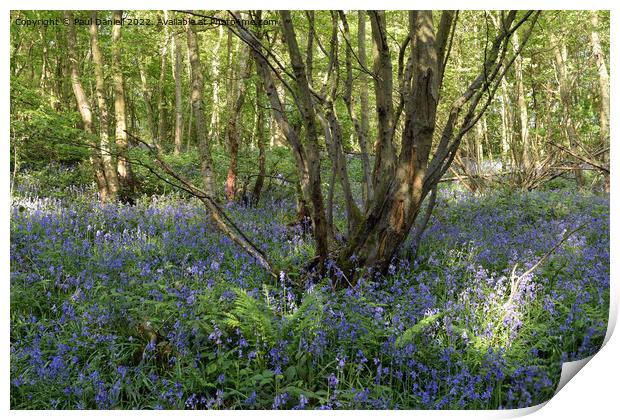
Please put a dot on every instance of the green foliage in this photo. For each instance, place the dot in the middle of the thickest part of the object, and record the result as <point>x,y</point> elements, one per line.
<point>252,316</point>
<point>168,306</point>
<point>40,133</point>
<point>418,328</point>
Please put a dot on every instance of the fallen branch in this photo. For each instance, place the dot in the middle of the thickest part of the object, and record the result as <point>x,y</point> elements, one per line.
<point>462,180</point>
<point>515,282</point>
<point>581,158</point>
<point>224,223</point>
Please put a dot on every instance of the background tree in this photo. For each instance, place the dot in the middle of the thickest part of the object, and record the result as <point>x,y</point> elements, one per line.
<point>206,163</point>
<point>124,168</point>
<point>107,162</point>
<point>84,108</point>
<point>178,94</point>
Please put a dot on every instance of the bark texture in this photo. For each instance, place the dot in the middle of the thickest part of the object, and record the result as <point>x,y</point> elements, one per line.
<point>234,130</point>
<point>123,167</point>
<point>85,110</point>
<point>178,98</point>
<point>206,162</point>
<point>603,79</point>
<point>561,56</point>
<point>108,163</point>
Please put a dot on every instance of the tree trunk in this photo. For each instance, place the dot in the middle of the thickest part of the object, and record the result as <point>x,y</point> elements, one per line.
<point>260,140</point>
<point>214,126</point>
<point>233,150</point>
<point>506,126</point>
<point>146,95</point>
<point>396,205</point>
<point>229,69</point>
<point>62,94</point>
<point>178,101</point>
<point>522,105</point>
<point>104,140</point>
<point>278,138</point>
<point>307,159</point>
<point>332,125</point>
<point>311,184</point>
<point>340,164</point>
<point>190,120</point>
<point>46,81</point>
<point>561,56</point>
<point>364,110</point>
<point>394,210</point>
<point>133,120</point>
<point>401,180</point>
<point>233,124</point>
<point>329,143</point>
<point>353,213</point>
<point>310,45</point>
<point>603,79</point>
<point>161,97</point>
<point>84,109</point>
<point>206,162</point>
<point>384,150</point>
<point>478,146</point>
<point>123,166</point>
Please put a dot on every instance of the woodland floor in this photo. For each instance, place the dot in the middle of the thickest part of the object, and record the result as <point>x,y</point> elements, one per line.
<point>147,306</point>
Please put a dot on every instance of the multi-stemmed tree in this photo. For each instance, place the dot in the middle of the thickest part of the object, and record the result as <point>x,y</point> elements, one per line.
<point>410,158</point>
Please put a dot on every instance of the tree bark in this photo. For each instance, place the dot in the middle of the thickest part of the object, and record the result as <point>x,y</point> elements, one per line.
<point>310,45</point>
<point>84,109</point>
<point>507,142</point>
<point>161,97</point>
<point>405,179</point>
<point>312,183</point>
<point>394,210</point>
<point>385,163</point>
<point>206,162</point>
<point>478,145</point>
<point>603,79</point>
<point>395,207</point>
<point>307,159</point>
<point>329,144</point>
<point>445,32</point>
<point>233,124</point>
<point>357,124</point>
<point>260,140</point>
<point>104,140</point>
<point>333,128</point>
<point>214,126</point>
<point>146,95</point>
<point>178,101</point>
<point>123,167</point>
<point>46,80</point>
<point>364,110</point>
<point>526,151</point>
<point>190,119</point>
<point>561,56</point>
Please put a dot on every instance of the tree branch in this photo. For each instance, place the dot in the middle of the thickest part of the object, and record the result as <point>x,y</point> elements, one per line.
<point>225,224</point>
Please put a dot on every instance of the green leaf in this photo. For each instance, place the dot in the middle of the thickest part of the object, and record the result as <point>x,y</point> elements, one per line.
<point>412,332</point>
